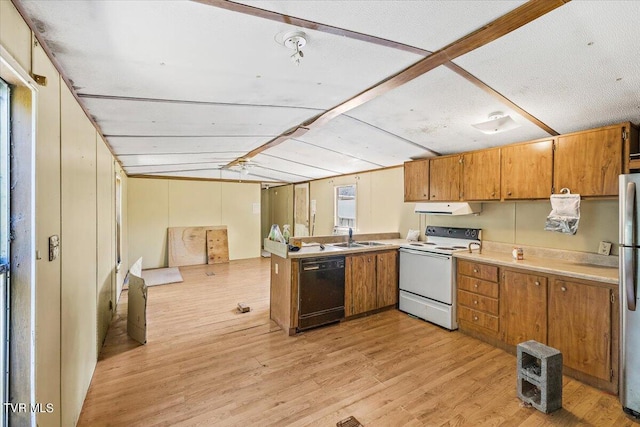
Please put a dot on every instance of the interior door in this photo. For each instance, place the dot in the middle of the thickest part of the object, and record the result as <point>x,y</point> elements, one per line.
<point>301,210</point>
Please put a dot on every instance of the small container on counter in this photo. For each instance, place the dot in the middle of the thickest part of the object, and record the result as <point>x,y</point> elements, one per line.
<point>517,253</point>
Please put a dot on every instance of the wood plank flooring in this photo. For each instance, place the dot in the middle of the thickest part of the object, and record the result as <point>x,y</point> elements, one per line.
<point>206,365</point>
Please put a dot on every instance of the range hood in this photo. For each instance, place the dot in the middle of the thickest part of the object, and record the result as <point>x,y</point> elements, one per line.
<point>444,208</point>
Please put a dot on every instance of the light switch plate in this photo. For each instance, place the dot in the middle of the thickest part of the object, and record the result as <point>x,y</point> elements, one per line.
<point>604,248</point>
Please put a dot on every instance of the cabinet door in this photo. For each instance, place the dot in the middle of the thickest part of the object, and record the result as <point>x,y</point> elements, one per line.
<point>588,163</point>
<point>580,326</point>
<point>387,278</point>
<point>363,283</point>
<point>527,170</point>
<point>523,298</point>
<point>416,181</point>
<point>481,175</point>
<point>444,178</point>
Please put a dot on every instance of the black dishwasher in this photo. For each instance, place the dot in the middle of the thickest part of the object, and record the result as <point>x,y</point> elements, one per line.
<point>320,291</point>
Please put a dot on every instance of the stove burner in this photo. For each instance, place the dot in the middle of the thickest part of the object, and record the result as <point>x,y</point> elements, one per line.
<point>416,244</point>
<point>460,247</point>
<point>429,243</point>
<point>444,248</point>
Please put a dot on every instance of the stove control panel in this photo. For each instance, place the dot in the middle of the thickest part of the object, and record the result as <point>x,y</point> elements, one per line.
<point>454,232</point>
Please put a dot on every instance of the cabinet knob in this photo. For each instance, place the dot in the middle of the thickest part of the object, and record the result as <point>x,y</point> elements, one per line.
<point>475,286</point>
<point>433,195</point>
<point>537,283</point>
<point>493,194</point>
<point>475,318</point>
<point>508,193</point>
<point>475,270</point>
<point>475,301</point>
<point>563,289</point>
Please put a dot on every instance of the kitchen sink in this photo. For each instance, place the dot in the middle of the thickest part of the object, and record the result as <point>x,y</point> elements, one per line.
<point>371,243</point>
<point>349,245</point>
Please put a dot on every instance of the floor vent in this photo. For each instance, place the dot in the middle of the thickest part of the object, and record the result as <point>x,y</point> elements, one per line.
<point>349,422</point>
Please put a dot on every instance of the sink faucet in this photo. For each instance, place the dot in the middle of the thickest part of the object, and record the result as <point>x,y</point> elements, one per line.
<point>350,236</point>
<point>479,244</point>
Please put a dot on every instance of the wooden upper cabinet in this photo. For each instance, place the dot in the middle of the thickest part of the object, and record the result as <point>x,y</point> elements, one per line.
<point>416,181</point>
<point>481,175</point>
<point>444,178</point>
<point>588,163</point>
<point>527,170</point>
<point>523,303</point>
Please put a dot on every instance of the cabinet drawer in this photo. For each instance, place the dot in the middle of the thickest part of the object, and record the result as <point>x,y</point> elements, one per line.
<point>478,318</point>
<point>478,302</point>
<point>481,271</point>
<point>478,286</point>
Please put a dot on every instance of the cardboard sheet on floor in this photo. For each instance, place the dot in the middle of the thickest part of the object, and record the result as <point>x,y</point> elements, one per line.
<point>188,245</point>
<point>137,304</point>
<point>217,246</point>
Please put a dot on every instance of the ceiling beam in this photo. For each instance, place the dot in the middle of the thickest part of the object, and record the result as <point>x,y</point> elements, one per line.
<point>499,27</point>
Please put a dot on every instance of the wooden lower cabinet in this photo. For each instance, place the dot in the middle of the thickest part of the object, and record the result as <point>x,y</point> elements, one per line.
<point>387,278</point>
<point>371,281</point>
<point>478,304</point>
<point>360,284</point>
<point>578,317</point>
<point>524,307</point>
<point>583,326</point>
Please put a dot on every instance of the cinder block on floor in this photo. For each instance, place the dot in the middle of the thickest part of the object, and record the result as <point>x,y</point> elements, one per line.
<point>540,376</point>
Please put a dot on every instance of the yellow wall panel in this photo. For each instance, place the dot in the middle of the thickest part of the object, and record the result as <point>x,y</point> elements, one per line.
<point>78,251</point>
<point>194,203</point>
<point>124,268</point>
<point>379,206</point>
<point>47,224</point>
<point>388,210</point>
<point>241,219</point>
<point>105,237</point>
<point>15,35</point>
<point>148,219</point>
<point>522,223</point>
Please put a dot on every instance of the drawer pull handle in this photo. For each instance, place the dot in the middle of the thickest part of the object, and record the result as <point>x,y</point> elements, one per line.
<point>563,289</point>
<point>475,302</point>
<point>475,318</point>
<point>537,283</point>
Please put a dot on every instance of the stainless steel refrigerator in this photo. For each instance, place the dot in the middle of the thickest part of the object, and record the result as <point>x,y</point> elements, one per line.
<point>629,272</point>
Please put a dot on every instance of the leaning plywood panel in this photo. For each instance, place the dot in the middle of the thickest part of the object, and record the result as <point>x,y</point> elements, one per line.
<point>217,245</point>
<point>188,245</point>
<point>137,304</point>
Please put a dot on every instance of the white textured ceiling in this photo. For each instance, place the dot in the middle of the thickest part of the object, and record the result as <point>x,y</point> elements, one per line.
<point>575,68</point>
<point>180,88</point>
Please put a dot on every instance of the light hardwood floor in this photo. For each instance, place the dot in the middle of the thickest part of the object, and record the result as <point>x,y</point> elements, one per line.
<point>204,364</point>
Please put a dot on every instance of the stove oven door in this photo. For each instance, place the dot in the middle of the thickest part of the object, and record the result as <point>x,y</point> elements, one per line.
<point>427,274</point>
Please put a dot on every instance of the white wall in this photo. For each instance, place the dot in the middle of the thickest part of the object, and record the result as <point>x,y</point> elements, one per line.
<point>156,204</point>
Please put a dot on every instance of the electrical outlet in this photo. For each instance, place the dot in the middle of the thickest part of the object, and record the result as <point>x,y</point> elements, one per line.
<point>604,248</point>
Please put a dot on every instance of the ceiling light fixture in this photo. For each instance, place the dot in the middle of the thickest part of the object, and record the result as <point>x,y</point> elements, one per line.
<point>295,40</point>
<point>498,122</point>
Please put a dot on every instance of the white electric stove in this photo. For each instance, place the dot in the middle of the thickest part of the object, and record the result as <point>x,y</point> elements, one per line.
<point>428,274</point>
